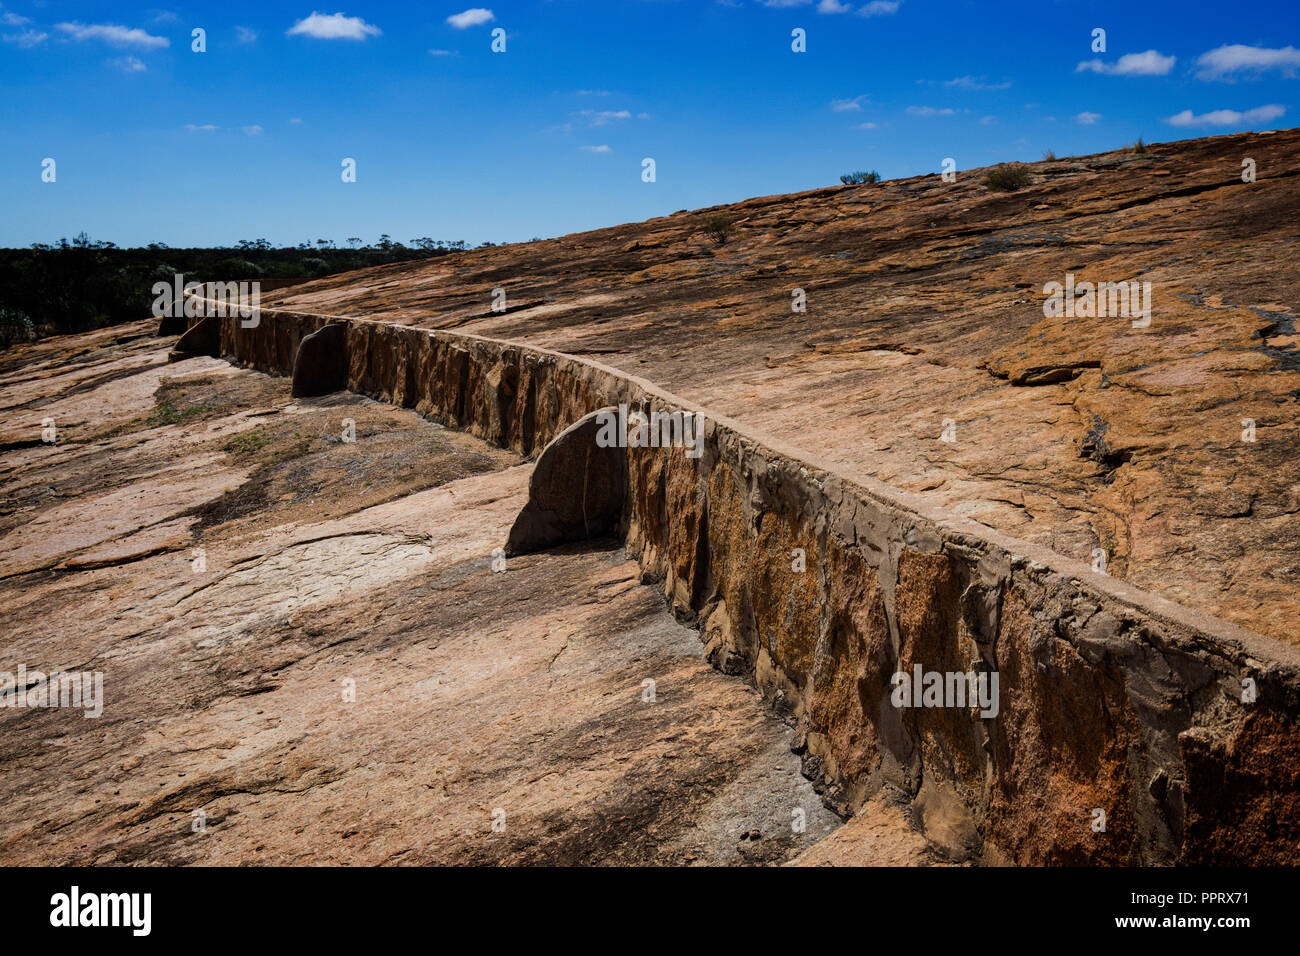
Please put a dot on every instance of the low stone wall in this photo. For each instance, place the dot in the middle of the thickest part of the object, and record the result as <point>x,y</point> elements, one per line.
<point>820,585</point>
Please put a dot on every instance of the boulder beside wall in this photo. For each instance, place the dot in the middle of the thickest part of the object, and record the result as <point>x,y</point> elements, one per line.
<point>201,338</point>
<point>321,365</point>
<point>576,491</point>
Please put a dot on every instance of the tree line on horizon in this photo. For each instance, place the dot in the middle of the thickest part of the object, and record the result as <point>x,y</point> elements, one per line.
<point>82,284</point>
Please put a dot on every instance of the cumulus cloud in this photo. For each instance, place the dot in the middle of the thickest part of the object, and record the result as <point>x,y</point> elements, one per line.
<point>604,117</point>
<point>1238,58</point>
<point>844,106</point>
<point>254,130</point>
<point>113,35</point>
<point>333,26</point>
<point>877,8</point>
<point>1260,114</point>
<point>129,64</point>
<point>245,34</point>
<point>975,83</point>
<point>1086,118</point>
<point>866,126</point>
<point>27,39</point>
<point>472,17</point>
<point>13,19</point>
<point>1150,63</point>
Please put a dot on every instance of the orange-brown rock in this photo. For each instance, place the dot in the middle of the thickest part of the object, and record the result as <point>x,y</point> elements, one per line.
<point>918,475</point>
<point>925,305</point>
<point>308,657</point>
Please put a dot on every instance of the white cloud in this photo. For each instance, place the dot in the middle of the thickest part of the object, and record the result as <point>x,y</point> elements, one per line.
<point>245,34</point>
<point>975,83</point>
<point>930,111</point>
<point>295,120</point>
<point>443,53</point>
<point>1260,114</point>
<point>113,35</point>
<point>876,8</point>
<point>879,8</point>
<point>988,120</point>
<point>129,64</point>
<point>1150,63</point>
<point>254,130</point>
<point>844,106</point>
<point>604,117</point>
<point>1239,58</point>
<point>27,39</point>
<point>1086,118</point>
<point>13,19</point>
<point>334,26</point>
<point>596,149</point>
<point>866,126</point>
<point>593,92</point>
<point>472,17</point>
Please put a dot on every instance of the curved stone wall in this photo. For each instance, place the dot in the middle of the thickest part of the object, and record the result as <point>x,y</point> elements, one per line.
<point>820,586</point>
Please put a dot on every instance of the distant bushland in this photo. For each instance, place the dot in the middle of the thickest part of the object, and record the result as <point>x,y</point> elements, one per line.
<point>82,284</point>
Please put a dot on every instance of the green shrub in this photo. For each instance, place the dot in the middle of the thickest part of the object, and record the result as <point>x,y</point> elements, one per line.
<point>1008,177</point>
<point>860,178</point>
<point>718,227</point>
<point>168,414</point>
<point>15,327</point>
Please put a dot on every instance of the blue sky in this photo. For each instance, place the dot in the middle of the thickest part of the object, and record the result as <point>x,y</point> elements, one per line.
<point>154,142</point>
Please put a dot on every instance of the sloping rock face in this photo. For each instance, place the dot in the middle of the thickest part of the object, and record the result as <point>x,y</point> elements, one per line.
<point>310,654</point>
<point>913,476</point>
<point>1112,737</point>
<point>924,306</point>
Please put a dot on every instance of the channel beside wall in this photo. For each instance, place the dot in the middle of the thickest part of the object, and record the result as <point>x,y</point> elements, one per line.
<point>1124,733</point>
